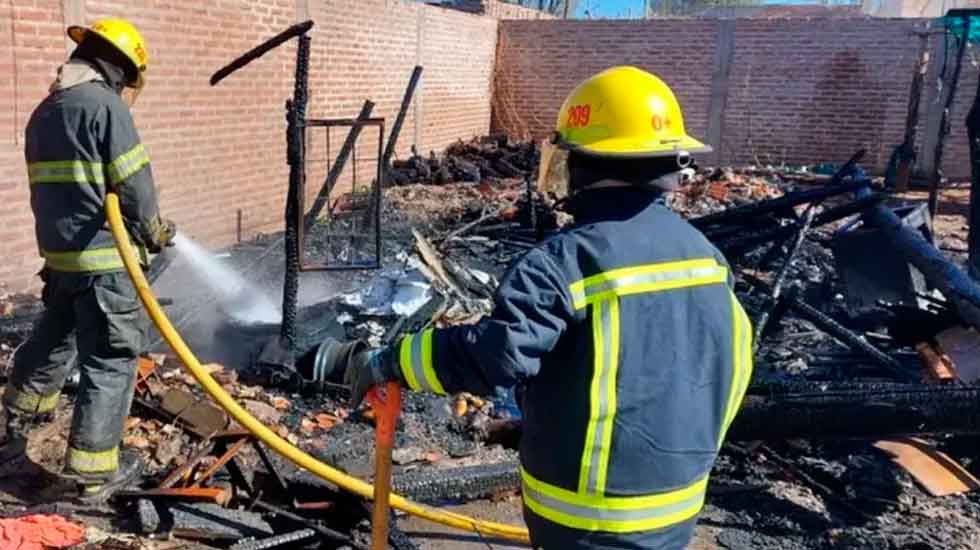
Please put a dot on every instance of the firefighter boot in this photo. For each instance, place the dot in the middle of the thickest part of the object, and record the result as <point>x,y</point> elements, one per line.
<point>13,444</point>
<point>97,491</point>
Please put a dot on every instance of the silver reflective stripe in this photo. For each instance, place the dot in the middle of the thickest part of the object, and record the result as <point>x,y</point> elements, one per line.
<point>612,514</point>
<point>606,350</point>
<point>744,365</point>
<point>641,280</point>
<point>98,259</point>
<point>418,363</point>
<point>128,164</point>
<point>85,462</point>
<point>69,171</point>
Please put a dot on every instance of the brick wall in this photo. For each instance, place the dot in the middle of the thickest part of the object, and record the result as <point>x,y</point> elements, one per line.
<point>807,91</point>
<point>797,90</point>
<point>539,62</point>
<point>220,150</point>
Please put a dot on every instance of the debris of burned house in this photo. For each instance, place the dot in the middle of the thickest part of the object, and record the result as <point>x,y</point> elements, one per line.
<point>488,158</point>
<point>824,368</point>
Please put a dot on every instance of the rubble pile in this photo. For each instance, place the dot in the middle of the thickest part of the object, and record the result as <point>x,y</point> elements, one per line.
<point>720,188</point>
<point>491,158</point>
<point>17,313</point>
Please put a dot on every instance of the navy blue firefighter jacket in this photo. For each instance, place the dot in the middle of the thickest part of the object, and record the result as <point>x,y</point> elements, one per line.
<point>631,354</point>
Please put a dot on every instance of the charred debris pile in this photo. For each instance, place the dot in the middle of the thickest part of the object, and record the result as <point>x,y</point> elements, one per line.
<point>479,159</point>
<point>862,408</point>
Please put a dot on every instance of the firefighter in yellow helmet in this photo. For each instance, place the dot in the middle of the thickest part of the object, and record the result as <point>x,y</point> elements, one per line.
<point>627,346</point>
<point>81,143</point>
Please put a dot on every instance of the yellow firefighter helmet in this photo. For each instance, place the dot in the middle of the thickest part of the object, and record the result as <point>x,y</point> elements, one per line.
<point>124,36</point>
<point>624,112</point>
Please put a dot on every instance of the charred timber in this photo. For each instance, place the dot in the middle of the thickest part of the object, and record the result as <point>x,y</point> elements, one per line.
<point>761,208</point>
<point>743,243</point>
<point>827,411</point>
<point>389,152</point>
<point>436,486</point>
<point>295,158</point>
<point>298,29</point>
<point>777,287</point>
<point>890,411</point>
<point>787,201</point>
<point>847,337</point>
<point>941,273</point>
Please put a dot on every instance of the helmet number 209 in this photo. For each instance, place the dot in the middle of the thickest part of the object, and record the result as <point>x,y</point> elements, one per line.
<point>579,115</point>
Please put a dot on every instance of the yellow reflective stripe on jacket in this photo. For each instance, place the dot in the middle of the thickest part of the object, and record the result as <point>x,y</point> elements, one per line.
<point>598,438</point>
<point>415,359</point>
<point>612,514</point>
<point>127,164</point>
<point>29,402</point>
<point>92,462</point>
<point>602,291</point>
<point>647,278</point>
<point>66,171</point>
<point>99,259</point>
<point>742,361</point>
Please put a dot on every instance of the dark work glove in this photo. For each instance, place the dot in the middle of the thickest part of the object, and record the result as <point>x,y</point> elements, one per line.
<point>369,369</point>
<point>167,233</point>
<point>164,232</point>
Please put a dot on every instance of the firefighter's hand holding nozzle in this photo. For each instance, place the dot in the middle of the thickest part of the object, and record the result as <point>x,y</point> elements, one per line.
<point>168,233</point>
<point>369,369</point>
<point>162,235</point>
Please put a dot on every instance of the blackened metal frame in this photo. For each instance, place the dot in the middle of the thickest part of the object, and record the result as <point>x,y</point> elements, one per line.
<point>374,206</point>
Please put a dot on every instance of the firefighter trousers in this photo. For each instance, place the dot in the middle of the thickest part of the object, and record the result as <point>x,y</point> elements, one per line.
<point>95,319</point>
<point>547,535</point>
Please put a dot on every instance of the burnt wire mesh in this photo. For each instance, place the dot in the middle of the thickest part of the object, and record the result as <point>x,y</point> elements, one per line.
<point>343,174</point>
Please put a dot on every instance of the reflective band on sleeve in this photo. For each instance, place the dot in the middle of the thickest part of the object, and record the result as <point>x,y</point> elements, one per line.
<point>84,261</point>
<point>67,171</point>
<point>742,364</point>
<point>93,462</point>
<point>598,438</point>
<point>612,514</point>
<point>127,164</point>
<point>415,359</point>
<point>27,402</point>
<point>647,278</point>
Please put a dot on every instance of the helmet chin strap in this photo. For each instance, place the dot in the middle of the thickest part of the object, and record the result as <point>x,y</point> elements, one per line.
<point>667,182</point>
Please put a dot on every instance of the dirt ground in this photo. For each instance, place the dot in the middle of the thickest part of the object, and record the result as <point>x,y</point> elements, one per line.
<point>429,536</point>
<point>951,223</point>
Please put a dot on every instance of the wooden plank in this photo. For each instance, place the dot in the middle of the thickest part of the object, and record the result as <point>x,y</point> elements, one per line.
<point>935,471</point>
<point>218,464</point>
<point>217,495</point>
<point>181,471</point>
<point>938,367</point>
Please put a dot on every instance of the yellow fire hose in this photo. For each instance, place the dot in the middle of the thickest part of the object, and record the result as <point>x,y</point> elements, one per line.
<point>259,430</point>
